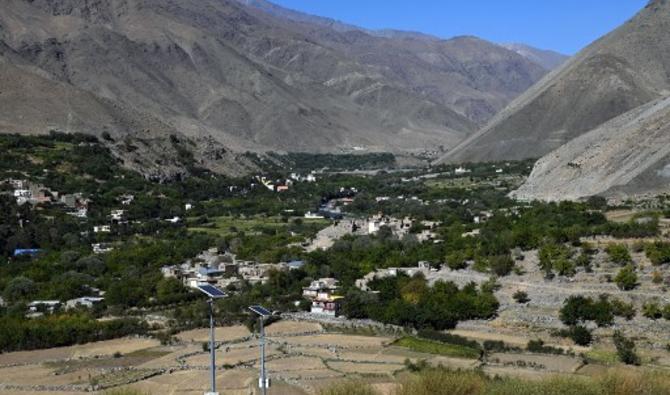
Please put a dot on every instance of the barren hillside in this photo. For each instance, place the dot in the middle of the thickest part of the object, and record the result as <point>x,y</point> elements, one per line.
<point>246,78</point>
<point>623,70</point>
<point>629,155</point>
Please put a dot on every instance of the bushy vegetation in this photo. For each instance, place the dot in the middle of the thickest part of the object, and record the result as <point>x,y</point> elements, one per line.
<point>618,254</point>
<point>239,216</point>
<point>538,346</point>
<point>53,331</point>
<point>626,279</point>
<point>580,309</point>
<point>658,252</point>
<point>625,349</point>
<point>579,334</point>
<point>409,301</point>
<point>439,381</point>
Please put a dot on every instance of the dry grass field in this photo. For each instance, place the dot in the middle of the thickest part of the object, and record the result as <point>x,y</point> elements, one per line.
<point>298,363</point>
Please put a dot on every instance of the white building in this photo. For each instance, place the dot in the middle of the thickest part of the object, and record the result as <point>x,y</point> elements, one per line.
<point>48,305</point>
<point>118,215</point>
<point>86,301</point>
<point>101,248</point>
<point>461,170</point>
<point>102,229</point>
<point>373,227</point>
<point>319,286</point>
<point>311,215</point>
<point>126,199</point>
<point>322,293</point>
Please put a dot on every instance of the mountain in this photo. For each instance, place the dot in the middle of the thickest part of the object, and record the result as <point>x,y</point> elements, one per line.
<point>30,103</point>
<point>550,60</point>
<point>627,156</point>
<point>298,16</point>
<point>227,77</point>
<point>616,74</point>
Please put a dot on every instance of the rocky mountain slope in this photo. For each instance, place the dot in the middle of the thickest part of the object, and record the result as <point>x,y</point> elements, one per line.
<point>550,60</point>
<point>627,156</point>
<point>233,77</point>
<point>619,72</point>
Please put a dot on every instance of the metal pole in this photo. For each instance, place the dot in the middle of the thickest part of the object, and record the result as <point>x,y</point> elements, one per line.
<point>263,380</point>
<point>212,350</point>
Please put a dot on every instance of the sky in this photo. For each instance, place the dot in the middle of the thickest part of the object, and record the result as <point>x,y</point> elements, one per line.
<point>565,26</point>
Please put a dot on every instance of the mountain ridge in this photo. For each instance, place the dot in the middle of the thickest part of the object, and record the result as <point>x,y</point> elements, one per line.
<point>617,73</point>
<point>220,71</point>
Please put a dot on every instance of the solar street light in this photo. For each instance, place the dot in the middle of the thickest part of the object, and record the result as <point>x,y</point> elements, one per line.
<point>263,313</point>
<point>213,293</point>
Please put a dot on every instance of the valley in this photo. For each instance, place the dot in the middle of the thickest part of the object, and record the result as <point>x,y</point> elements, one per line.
<point>423,268</point>
<point>351,210</point>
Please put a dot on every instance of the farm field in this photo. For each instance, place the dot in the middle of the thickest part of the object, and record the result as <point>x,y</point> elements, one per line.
<point>301,359</point>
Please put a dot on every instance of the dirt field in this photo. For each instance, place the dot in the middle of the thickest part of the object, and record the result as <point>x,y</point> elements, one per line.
<point>297,363</point>
<point>222,334</point>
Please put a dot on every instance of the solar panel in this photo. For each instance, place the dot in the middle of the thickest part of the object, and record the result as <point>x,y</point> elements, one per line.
<point>211,291</point>
<point>260,310</point>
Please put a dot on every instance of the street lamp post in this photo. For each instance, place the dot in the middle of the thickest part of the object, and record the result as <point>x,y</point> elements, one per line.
<point>212,347</point>
<point>213,293</point>
<point>262,343</point>
<point>263,313</point>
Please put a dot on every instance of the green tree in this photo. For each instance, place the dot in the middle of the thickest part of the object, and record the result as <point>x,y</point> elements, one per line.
<point>18,289</point>
<point>626,279</point>
<point>456,260</point>
<point>501,265</point>
<point>625,349</point>
<point>618,254</point>
<point>357,304</point>
<point>169,288</point>
<point>580,335</point>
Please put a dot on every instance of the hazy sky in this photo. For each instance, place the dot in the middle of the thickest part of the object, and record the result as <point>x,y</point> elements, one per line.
<point>562,25</point>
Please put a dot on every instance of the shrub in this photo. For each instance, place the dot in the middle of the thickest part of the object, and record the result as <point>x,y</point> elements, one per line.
<point>625,349</point>
<point>618,254</point>
<point>658,253</point>
<point>579,334</point>
<point>495,346</point>
<point>578,309</point>
<point>666,312</point>
<point>537,346</point>
<point>456,260</point>
<point>623,309</point>
<point>564,267</point>
<point>652,310</point>
<point>656,277</point>
<point>626,279</point>
<point>521,297</point>
<point>501,265</point>
<point>583,260</point>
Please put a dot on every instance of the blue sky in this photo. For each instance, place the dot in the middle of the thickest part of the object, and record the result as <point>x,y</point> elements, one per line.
<point>562,25</point>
